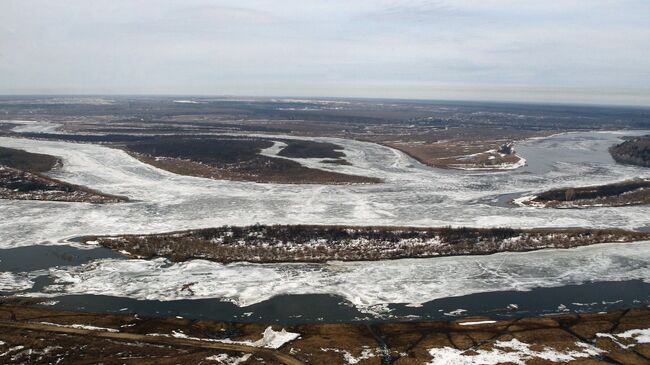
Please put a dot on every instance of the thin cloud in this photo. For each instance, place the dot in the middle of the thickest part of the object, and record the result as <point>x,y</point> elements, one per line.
<point>440,49</point>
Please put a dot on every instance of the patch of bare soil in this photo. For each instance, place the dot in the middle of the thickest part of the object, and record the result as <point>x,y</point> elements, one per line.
<point>462,155</point>
<point>304,243</point>
<point>463,148</point>
<point>44,336</point>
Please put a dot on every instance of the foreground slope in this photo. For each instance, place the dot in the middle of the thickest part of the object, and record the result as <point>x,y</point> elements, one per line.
<point>42,336</point>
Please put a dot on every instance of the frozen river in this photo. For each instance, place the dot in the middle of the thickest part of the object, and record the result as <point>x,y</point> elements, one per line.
<point>412,194</point>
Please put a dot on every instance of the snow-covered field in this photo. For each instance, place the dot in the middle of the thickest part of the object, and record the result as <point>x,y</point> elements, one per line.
<point>412,194</point>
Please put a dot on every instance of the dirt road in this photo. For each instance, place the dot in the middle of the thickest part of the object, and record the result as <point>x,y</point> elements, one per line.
<point>172,341</point>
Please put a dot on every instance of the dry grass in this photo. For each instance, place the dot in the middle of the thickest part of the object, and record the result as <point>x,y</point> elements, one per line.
<point>405,342</point>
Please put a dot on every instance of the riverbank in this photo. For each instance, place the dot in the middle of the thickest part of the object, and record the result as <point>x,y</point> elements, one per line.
<point>633,151</point>
<point>632,192</point>
<point>41,335</point>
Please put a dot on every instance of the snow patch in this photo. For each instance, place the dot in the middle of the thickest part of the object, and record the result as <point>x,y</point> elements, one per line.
<point>49,302</point>
<point>270,338</point>
<point>640,336</point>
<point>275,339</point>
<point>81,326</point>
<point>349,358</point>
<point>456,312</point>
<point>226,359</point>
<point>512,351</point>
<point>476,323</point>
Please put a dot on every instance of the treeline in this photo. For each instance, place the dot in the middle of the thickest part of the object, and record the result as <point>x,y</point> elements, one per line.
<point>23,182</point>
<point>310,149</point>
<point>23,160</point>
<point>22,178</point>
<point>592,192</point>
<point>238,158</point>
<point>24,185</point>
<point>228,150</point>
<point>302,234</point>
<point>206,150</point>
<point>634,151</point>
<point>308,243</point>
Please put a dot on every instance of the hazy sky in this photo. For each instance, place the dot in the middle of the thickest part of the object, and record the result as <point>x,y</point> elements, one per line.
<point>556,50</point>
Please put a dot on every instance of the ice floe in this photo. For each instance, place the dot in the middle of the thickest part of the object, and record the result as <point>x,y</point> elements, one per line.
<point>367,285</point>
<point>12,282</point>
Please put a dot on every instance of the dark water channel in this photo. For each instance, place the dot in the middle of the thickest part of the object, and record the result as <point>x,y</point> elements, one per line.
<point>587,297</point>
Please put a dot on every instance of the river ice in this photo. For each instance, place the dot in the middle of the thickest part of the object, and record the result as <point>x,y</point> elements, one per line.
<point>412,194</point>
<point>364,284</point>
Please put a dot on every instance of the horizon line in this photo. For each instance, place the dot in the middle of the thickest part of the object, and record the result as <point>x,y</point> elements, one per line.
<point>438,100</point>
